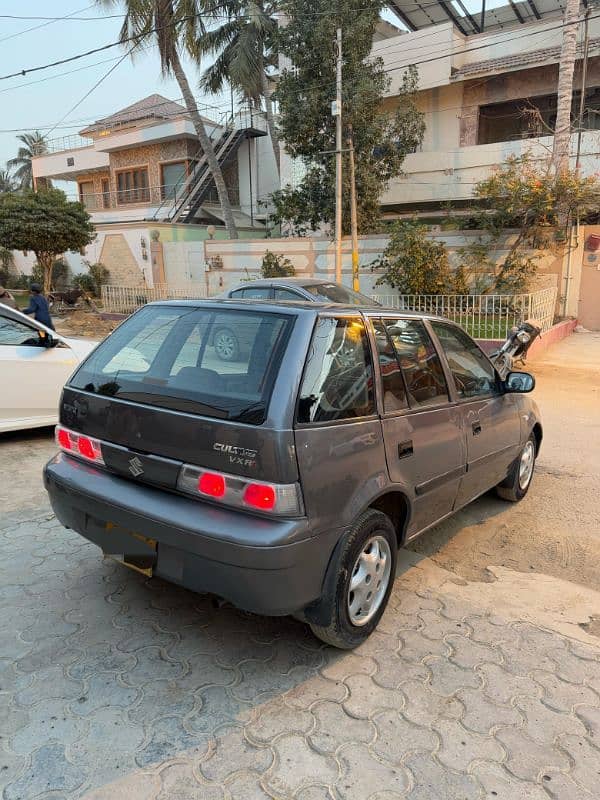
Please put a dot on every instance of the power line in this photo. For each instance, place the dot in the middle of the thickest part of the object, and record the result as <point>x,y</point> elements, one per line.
<point>50,21</point>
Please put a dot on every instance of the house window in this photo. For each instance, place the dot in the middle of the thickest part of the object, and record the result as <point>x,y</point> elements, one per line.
<point>173,178</point>
<point>132,186</point>
<point>86,194</point>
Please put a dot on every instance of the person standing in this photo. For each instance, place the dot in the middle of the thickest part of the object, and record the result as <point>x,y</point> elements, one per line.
<point>38,306</point>
<point>6,298</point>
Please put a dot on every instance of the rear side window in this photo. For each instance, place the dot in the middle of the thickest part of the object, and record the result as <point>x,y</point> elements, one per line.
<point>338,377</point>
<point>419,361</point>
<point>394,392</point>
<point>173,357</point>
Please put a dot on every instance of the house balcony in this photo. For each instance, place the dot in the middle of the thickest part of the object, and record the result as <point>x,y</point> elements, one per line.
<point>438,177</point>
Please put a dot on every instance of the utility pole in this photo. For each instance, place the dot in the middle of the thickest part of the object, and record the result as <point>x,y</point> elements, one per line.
<point>586,47</point>
<point>338,157</point>
<point>353,217</point>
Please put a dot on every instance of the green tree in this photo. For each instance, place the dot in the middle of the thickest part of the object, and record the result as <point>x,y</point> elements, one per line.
<point>245,49</point>
<point>6,182</point>
<point>33,144</point>
<point>529,202</point>
<point>276,266</point>
<point>413,263</point>
<point>382,135</point>
<point>46,223</point>
<point>176,27</point>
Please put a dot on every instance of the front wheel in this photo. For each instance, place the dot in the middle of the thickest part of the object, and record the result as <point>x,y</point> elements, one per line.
<point>517,483</point>
<point>363,584</point>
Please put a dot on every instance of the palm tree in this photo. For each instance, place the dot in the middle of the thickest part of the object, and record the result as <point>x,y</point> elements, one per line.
<point>34,144</point>
<point>6,181</point>
<point>562,130</point>
<point>245,49</point>
<point>176,26</point>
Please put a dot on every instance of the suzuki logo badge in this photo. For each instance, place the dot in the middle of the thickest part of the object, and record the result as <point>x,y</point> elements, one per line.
<point>135,467</point>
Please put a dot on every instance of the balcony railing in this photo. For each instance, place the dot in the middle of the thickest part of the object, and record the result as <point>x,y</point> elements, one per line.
<point>73,142</point>
<point>151,195</point>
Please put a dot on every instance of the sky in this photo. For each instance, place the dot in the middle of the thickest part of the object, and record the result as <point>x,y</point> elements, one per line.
<point>40,100</point>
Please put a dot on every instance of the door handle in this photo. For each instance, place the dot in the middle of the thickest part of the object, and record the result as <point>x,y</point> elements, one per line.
<point>476,426</point>
<point>405,449</point>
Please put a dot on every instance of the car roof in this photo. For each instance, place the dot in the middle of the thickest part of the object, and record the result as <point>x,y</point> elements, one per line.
<point>301,306</point>
<point>291,281</point>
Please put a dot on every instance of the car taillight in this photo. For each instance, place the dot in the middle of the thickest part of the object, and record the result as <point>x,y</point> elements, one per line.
<point>277,499</point>
<point>76,444</point>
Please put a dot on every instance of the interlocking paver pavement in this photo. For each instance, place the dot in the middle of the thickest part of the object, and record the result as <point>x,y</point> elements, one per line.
<point>115,686</point>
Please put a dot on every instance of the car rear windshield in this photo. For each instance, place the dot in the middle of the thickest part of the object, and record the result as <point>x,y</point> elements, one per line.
<point>335,293</point>
<point>208,361</point>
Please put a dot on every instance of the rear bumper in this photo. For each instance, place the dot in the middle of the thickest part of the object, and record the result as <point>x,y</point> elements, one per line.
<point>266,566</point>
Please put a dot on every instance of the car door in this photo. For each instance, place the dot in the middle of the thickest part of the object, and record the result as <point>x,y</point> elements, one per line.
<point>490,416</point>
<point>422,430</point>
<point>32,375</point>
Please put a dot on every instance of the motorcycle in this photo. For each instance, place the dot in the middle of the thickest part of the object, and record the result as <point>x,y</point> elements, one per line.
<point>514,349</point>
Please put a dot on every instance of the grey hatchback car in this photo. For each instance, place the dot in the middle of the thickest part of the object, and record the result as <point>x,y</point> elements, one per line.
<point>285,481</point>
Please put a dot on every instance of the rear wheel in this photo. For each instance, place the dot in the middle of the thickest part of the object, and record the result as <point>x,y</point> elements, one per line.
<point>518,481</point>
<point>365,577</point>
<point>226,344</point>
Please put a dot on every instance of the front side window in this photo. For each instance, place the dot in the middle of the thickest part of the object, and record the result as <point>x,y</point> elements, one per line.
<point>473,374</point>
<point>169,357</point>
<point>338,377</point>
<point>13,333</point>
<point>419,361</point>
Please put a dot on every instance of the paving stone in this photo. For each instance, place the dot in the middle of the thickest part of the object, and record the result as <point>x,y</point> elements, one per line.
<point>455,608</point>
<point>168,739</point>
<point>397,737</point>
<point>316,688</point>
<point>12,766</point>
<point>334,727</point>
<point>424,707</point>
<point>231,751</point>
<point>585,651</point>
<point>49,770</point>
<point>341,665</point>
<point>528,759</point>
<point>433,782</point>
<point>178,782</point>
<point>366,697</point>
<point>298,765</point>
<point>101,691</point>
<point>133,786</point>
<point>218,707</point>
<point>262,680</point>
<point>48,721</point>
<point>469,654</point>
<point>412,603</point>
<point>362,775</point>
<point>459,746</point>
<point>393,671</point>
<point>151,665</point>
<point>277,717</point>
<point>50,683</point>
<point>500,784</point>
<point>415,647</point>
<point>447,678</point>
<point>481,715</point>
<point>524,657</point>
<point>247,786</point>
<point>12,717</point>
<point>435,626</point>
<point>591,719</point>
<point>162,699</point>
<point>101,658</point>
<point>484,629</point>
<point>315,793</point>
<point>108,751</point>
<point>563,696</point>
<point>574,669</point>
<point>543,724</point>
<point>561,787</point>
<point>586,761</point>
<point>502,686</point>
<point>51,650</point>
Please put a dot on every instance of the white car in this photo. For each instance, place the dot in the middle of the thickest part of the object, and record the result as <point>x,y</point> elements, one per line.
<point>35,363</point>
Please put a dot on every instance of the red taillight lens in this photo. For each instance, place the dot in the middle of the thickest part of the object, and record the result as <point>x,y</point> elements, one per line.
<point>212,484</point>
<point>260,496</point>
<point>63,439</point>
<point>86,448</point>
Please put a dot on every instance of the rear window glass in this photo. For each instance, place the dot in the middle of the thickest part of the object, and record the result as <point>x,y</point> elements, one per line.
<point>338,378</point>
<point>335,293</point>
<point>200,360</point>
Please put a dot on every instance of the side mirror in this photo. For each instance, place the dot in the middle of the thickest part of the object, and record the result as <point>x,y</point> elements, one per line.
<point>46,339</point>
<point>521,382</point>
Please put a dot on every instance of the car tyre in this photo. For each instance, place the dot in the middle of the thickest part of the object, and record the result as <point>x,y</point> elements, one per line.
<point>517,483</point>
<point>226,344</point>
<point>366,568</point>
